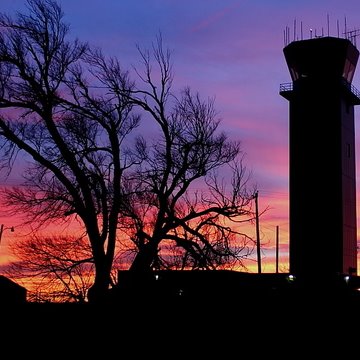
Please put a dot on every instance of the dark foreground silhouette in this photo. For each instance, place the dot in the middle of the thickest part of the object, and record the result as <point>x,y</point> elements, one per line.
<point>250,322</point>
<point>181,298</point>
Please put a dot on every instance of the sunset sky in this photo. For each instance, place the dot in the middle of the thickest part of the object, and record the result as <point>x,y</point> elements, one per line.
<point>227,49</point>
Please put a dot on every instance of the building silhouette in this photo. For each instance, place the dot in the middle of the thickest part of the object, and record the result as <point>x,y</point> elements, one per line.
<point>322,170</point>
<point>11,293</point>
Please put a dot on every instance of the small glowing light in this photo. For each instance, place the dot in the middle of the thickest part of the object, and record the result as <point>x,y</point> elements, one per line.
<point>347,278</point>
<point>290,278</point>
<point>156,277</point>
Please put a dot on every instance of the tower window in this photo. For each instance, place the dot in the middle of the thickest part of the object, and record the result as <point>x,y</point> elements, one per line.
<point>348,153</point>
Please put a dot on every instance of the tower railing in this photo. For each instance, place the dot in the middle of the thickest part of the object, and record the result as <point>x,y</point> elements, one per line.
<point>352,88</point>
<point>288,87</point>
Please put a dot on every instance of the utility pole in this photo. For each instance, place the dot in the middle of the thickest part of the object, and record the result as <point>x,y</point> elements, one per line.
<point>277,249</point>
<point>258,250</point>
<point>1,231</point>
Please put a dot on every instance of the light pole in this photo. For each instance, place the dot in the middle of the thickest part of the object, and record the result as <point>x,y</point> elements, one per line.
<point>2,228</point>
<point>258,250</point>
<point>277,250</point>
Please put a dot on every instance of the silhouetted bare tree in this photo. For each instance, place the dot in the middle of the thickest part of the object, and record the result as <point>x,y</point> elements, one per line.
<point>71,110</point>
<point>71,132</point>
<point>166,200</point>
<point>61,268</point>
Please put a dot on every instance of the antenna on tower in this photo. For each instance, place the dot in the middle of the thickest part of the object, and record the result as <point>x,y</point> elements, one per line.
<point>351,35</point>
<point>345,29</point>
<point>290,33</point>
<point>286,36</point>
<point>328,25</point>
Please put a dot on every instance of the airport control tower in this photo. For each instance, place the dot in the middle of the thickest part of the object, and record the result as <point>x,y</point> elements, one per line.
<point>323,241</point>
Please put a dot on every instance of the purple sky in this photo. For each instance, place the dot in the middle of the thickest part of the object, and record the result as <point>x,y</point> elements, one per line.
<point>227,49</point>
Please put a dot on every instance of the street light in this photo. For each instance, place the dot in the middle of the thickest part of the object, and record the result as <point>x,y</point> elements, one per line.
<point>2,228</point>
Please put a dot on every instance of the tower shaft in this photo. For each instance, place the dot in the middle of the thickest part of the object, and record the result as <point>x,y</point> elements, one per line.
<point>322,157</point>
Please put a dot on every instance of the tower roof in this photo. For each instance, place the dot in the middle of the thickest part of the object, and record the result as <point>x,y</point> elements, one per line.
<point>323,57</point>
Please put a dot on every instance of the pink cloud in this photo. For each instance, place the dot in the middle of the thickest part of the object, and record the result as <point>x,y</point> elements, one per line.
<point>213,18</point>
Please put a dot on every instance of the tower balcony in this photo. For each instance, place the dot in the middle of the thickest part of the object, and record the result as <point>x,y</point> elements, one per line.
<point>286,91</point>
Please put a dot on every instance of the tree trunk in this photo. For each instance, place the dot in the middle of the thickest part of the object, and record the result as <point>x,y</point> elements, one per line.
<point>144,259</point>
<point>99,291</point>
<point>139,283</point>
